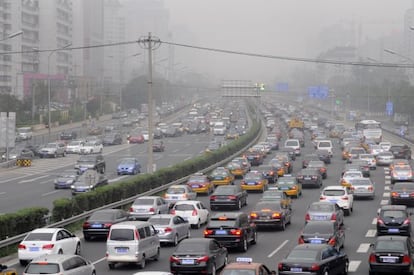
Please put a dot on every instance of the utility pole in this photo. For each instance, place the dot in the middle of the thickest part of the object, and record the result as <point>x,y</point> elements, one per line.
<point>150,43</point>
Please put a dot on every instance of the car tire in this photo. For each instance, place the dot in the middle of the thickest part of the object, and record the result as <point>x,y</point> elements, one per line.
<point>175,241</point>
<point>111,266</point>
<point>141,265</point>
<point>157,256</point>
<point>254,240</point>
<point>78,249</point>
<point>244,245</point>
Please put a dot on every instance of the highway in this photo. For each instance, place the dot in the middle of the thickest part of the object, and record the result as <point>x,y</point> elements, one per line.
<point>273,245</point>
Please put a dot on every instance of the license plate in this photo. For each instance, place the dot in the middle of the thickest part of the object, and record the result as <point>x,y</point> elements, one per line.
<point>319,218</point>
<point>174,198</point>
<point>96,225</point>
<point>296,269</point>
<point>33,249</point>
<point>335,201</point>
<point>187,261</point>
<point>307,178</point>
<point>221,232</point>
<point>195,186</point>
<point>404,195</point>
<point>251,183</point>
<point>316,241</point>
<point>393,230</point>
<point>121,250</point>
<point>219,178</point>
<point>139,210</point>
<point>389,259</point>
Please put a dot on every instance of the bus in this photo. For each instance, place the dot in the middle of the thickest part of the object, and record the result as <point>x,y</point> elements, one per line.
<point>371,129</point>
<point>367,124</point>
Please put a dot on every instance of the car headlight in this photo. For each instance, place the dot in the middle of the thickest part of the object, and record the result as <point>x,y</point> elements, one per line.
<point>72,186</point>
<point>56,181</point>
<point>90,186</point>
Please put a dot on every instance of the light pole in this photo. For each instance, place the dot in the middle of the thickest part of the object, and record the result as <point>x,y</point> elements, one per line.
<point>49,125</point>
<point>12,35</point>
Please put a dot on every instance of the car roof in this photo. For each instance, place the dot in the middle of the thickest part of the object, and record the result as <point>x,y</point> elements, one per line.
<point>52,258</point>
<point>45,230</point>
<point>393,237</point>
<point>311,246</point>
<point>335,187</point>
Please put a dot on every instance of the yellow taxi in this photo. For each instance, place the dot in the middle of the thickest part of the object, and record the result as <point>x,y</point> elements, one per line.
<point>348,176</point>
<point>239,166</point>
<point>245,265</point>
<point>282,169</point>
<point>274,194</point>
<point>254,181</point>
<point>290,186</point>
<point>5,270</point>
<point>221,176</point>
<point>284,158</point>
<point>200,183</point>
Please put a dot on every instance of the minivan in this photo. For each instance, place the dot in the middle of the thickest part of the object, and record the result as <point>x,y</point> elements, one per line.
<point>293,143</point>
<point>325,144</point>
<point>132,242</point>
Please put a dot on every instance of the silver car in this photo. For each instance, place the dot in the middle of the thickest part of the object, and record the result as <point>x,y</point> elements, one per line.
<point>60,264</point>
<point>176,193</point>
<point>362,188</point>
<point>144,207</point>
<point>171,229</point>
<point>384,158</point>
<point>325,211</point>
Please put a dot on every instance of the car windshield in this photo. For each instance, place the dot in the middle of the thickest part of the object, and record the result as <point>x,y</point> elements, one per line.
<point>176,190</point>
<point>201,179</point>
<point>334,192</point>
<point>390,246</point>
<point>42,268</point>
<point>219,173</point>
<point>318,228</point>
<point>159,221</point>
<point>273,195</point>
<point>403,186</point>
<point>225,190</point>
<point>322,207</point>
<point>191,247</point>
<point>303,254</point>
<point>122,234</point>
<point>291,143</point>
<point>141,201</point>
<point>184,207</point>
<point>101,215</point>
<point>71,174</point>
<point>127,161</point>
<point>89,143</point>
<point>324,144</point>
<point>39,237</point>
<point>222,223</point>
<point>360,181</point>
<point>394,214</point>
<point>252,177</point>
<point>352,175</point>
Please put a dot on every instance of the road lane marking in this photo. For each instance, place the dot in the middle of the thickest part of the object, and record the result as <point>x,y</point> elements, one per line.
<point>13,179</point>
<point>387,177</point>
<point>353,266</point>
<point>384,202</point>
<point>386,194</point>
<point>99,260</point>
<point>374,221</point>
<point>277,249</point>
<point>371,233</point>
<point>33,179</point>
<point>2,193</point>
<point>175,150</point>
<point>387,188</point>
<point>118,178</point>
<point>363,248</point>
<point>50,193</point>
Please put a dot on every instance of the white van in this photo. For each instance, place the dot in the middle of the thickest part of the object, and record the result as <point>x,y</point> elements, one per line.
<point>294,144</point>
<point>325,144</point>
<point>132,242</point>
<point>24,133</point>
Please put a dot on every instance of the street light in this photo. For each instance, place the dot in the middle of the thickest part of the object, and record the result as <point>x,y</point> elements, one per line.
<point>49,125</point>
<point>12,35</point>
<point>398,54</point>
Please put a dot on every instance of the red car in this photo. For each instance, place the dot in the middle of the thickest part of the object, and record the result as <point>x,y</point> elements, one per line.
<point>136,138</point>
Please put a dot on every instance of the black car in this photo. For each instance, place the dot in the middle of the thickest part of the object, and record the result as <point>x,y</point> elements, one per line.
<point>271,213</point>
<point>291,152</point>
<point>309,177</point>
<point>401,151</point>
<point>324,155</point>
<point>321,232</point>
<point>391,254</point>
<point>228,196</point>
<point>307,158</point>
<point>86,162</point>
<point>232,230</point>
<point>315,259</point>
<point>254,158</point>
<point>269,172</point>
<point>100,222</point>
<point>198,255</point>
<point>363,167</point>
<point>401,193</point>
<point>65,179</point>
<point>88,181</point>
<point>112,139</point>
<point>393,220</point>
<point>67,135</point>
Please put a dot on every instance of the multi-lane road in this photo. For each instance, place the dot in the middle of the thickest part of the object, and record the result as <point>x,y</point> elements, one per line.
<point>273,245</point>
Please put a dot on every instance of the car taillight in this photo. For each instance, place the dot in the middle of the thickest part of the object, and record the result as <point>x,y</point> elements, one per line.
<point>372,258</point>
<point>253,215</point>
<point>276,215</point>
<point>370,188</point>
<point>322,198</point>
<point>280,266</point>
<point>132,209</point>
<point>293,187</point>
<point>333,217</point>
<point>22,246</point>
<point>232,197</point>
<point>168,229</point>
<point>406,259</point>
<point>48,246</point>
<point>307,217</point>
<point>151,209</point>
<point>407,221</point>
<point>332,241</point>
<point>243,182</point>
<point>314,177</point>
<point>301,240</point>
<point>394,194</point>
<point>213,198</point>
<point>345,198</point>
<point>136,233</point>
<point>380,221</point>
<point>174,259</point>
<point>203,259</point>
<point>299,177</point>
<point>208,232</point>
<point>107,225</point>
<point>236,232</point>
<point>85,225</point>
<point>172,211</point>
<point>195,213</point>
<point>315,267</point>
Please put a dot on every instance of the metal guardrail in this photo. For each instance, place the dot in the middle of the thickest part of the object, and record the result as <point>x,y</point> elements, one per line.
<point>65,222</point>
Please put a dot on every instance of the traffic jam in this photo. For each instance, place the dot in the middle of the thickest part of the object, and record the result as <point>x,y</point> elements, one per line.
<point>313,196</point>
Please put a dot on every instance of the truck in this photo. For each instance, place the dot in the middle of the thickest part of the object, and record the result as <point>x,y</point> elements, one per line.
<point>296,123</point>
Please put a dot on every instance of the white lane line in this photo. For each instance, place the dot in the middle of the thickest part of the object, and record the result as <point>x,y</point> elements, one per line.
<point>99,260</point>
<point>363,248</point>
<point>175,150</point>
<point>353,266</point>
<point>387,177</point>
<point>387,182</point>
<point>50,193</point>
<point>371,233</point>
<point>384,202</point>
<point>118,178</point>
<point>2,193</point>
<point>386,194</point>
<point>44,182</point>
<point>277,249</point>
<point>33,179</point>
<point>387,188</point>
<point>13,179</point>
<point>374,221</point>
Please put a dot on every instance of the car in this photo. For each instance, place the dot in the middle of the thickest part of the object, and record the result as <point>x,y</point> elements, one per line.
<point>295,144</point>
<point>325,144</point>
<point>400,151</point>
<point>200,184</point>
<point>280,167</point>
<point>158,147</point>
<point>308,157</point>
<point>68,135</point>
<point>354,153</point>
<point>255,158</point>
<point>228,196</point>
<point>171,228</point>
<point>340,195</point>
<point>95,162</point>
<point>74,146</point>
<point>60,264</point>
<point>239,167</point>
<point>179,192</point>
<point>393,220</point>
<point>221,176</point>
<point>279,196</point>
<point>284,158</point>
<point>88,181</point>
<point>269,172</point>
<point>135,138</point>
<point>245,265</point>
<point>146,206</point>
<point>320,166</point>
<point>92,147</point>
<point>193,211</point>
<point>212,146</point>
<point>45,241</point>
<point>309,177</point>
<point>384,158</point>
<point>18,153</point>
<point>391,254</point>
<point>401,193</point>
<point>321,232</point>
<point>385,145</point>
<point>324,155</point>
<point>232,230</point>
<point>290,151</point>
<point>53,149</point>
<point>65,179</point>
<point>112,138</point>
<point>95,131</point>
<point>198,255</point>
<point>364,166</point>
<point>254,181</point>
<point>290,185</point>
<point>370,158</point>
<point>348,175</point>
<point>100,222</point>
<point>325,211</point>
<point>128,166</point>
<point>401,173</point>
<point>24,133</point>
<point>316,259</point>
<point>375,149</point>
<point>270,214</point>
<point>398,163</point>
<point>362,188</point>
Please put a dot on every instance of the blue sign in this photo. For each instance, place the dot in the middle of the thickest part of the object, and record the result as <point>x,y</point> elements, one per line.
<point>282,87</point>
<point>319,92</point>
<point>389,108</point>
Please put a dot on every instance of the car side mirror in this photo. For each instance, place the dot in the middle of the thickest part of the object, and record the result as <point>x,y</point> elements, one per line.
<point>371,245</point>
<point>156,231</point>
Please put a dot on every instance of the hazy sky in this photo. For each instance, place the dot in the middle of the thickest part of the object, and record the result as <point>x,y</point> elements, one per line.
<point>278,27</point>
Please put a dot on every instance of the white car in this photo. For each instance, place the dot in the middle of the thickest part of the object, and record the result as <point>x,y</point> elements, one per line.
<point>74,147</point>
<point>370,158</point>
<point>193,211</point>
<point>91,147</point>
<point>375,149</point>
<point>294,144</point>
<point>43,241</point>
<point>179,192</point>
<point>386,145</point>
<point>340,195</point>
